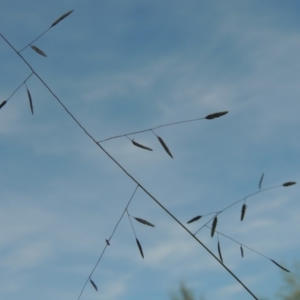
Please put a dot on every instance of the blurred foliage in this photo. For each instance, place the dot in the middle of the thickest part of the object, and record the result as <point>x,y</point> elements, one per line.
<point>184,293</point>
<point>291,288</point>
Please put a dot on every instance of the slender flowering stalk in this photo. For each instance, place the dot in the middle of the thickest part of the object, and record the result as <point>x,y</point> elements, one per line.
<point>164,125</point>
<point>242,246</point>
<point>44,32</point>
<point>122,168</point>
<point>289,183</point>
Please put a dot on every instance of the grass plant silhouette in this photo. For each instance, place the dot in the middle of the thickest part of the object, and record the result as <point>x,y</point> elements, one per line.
<point>137,183</point>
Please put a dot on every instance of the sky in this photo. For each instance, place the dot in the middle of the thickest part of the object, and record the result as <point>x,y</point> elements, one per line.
<point>126,66</point>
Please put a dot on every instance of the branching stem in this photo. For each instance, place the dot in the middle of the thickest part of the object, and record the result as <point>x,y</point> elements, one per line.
<point>127,173</point>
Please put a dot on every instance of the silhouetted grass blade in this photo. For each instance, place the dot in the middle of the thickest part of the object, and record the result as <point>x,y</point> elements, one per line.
<point>243,211</point>
<point>140,146</point>
<point>216,115</point>
<point>261,179</point>
<point>165,146</point>
<point>289,183</point>
<point>242,251</point>
<point>2,104</point>
<point>144,222</point>
<point>194,219</point>
<point>61,18</point>
<point>107,242</point>
<point>281,267</point>
<point>39,51</point>
<point>214,225</point>
<point>140,247</point>
<point>219,250</point>
<point>93,284</point>
<point>30,100</point>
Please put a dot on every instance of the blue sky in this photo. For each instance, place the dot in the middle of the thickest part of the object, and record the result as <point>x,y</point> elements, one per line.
<point>124,66</point>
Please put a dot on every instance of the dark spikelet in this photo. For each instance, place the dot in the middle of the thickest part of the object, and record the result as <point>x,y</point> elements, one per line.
<point>194,219</point>
<point>30,100</point>
<point>219,250</point>
<point>39,51</point>
<point>289,183</point>
<point>2,104</point>
<point>214,225</point>
<point>242,251</point>
<point>140,146</point>
<point>165,146</point>
<point>107,242</point>
<point>243,211</point>
<point>61,18</point>
<point>260,181</point>
<point>93,284</point>
<point>281,267</point>
<point>216,115</point>
<point>140,247</point>
<point>144,222</point>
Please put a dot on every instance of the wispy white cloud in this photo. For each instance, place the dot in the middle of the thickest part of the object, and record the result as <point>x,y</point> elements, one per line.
<point>27,256</point>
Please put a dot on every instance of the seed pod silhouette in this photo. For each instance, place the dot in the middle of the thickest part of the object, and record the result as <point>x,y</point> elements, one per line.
<point>30,100</point>
<point>93,284</point>
<point>243,211</point>
<point>2,104</point>
<point>214,225</point>
<point>194,219</point>
<point>216,115</point>
<point>289,183</point>
<point>260,181</point>
<point>277,264</point>
<point>165,146</point>
<point>242,251</point>
<point>219,250</point>
<point>61,18</point>
<point>141,146</point>
<point>144,222</point>
<point>140,247</point>
<point>39,51</point>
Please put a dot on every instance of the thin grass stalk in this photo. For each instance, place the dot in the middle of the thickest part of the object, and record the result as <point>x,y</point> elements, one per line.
<point>242,251</point>
<point>34,40</point>
<point>130,176</point>
<point>44,32</point>
<point>19,87</point>
<point>107,243</point>
<point>151,129</point>
<point>243,199</point>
